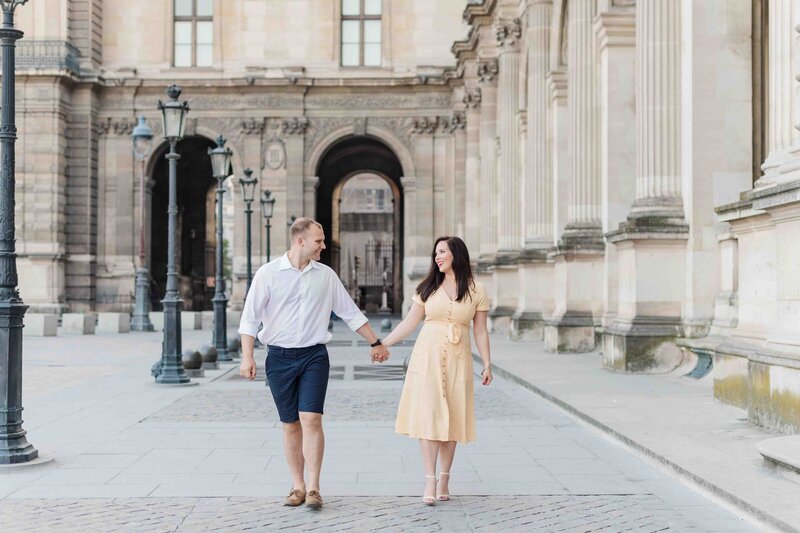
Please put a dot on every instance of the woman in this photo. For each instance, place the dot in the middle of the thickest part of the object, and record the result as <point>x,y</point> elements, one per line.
<point>436,406</point>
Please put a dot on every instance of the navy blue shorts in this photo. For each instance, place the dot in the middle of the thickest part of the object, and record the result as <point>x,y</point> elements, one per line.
<point>298,379</point>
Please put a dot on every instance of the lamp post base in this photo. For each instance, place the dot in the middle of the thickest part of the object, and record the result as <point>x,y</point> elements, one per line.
<point>220,340</point>
<point>14,447</point>
<point>172,371</point>
<point>141,314</point>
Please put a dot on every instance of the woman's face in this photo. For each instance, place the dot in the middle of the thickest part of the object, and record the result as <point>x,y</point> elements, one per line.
<point>444,259</point>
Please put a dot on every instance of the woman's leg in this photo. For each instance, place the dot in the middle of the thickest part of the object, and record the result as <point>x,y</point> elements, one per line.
<point>447,451</point>
<point>430,450</point>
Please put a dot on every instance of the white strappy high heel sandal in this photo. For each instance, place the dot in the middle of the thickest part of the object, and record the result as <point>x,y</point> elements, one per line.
<point>429,500</point>
<point>443,497</point>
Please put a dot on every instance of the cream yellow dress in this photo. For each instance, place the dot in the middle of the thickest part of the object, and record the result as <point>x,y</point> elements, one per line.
<point>437,399</point>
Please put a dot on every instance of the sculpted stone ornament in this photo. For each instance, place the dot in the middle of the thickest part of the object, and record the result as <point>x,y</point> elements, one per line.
<point>425,125</point>
<point>294,126</point>
<point>509,33</point>
<point>472,98</point>
<point>487,70</point>
<point>116,126</point>
<point>458,121</point>
<point>252,126</point>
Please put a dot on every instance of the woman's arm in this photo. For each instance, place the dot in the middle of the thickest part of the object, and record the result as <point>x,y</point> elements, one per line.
<point>406,326</point>
<point>481,333</point>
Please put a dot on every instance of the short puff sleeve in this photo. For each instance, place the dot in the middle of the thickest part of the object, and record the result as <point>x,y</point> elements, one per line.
<point>417,299</point>
<point>483,299</point>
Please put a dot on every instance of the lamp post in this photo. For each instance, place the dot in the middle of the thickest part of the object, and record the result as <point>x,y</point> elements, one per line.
<point>14,447</point>
<point>171,371</point>
<point>248,185</point>
<point>267,207</point>
<point>142,137</point>
<point>220,164</point>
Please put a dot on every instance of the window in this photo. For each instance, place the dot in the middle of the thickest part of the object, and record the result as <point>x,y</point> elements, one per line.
<point>361,33</point>
<point>194,33</point>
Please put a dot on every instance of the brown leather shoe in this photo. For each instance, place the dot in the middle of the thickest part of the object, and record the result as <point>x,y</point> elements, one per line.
<point>313,499</point>
<point>296,497</point>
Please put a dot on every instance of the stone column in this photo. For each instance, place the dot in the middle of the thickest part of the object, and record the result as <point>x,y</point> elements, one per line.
<point>505,297</point>
<point>457,199</point>
<point>579,257</point>
<point>487,74</point>
<point>652,242</point>
<point>472,229</point>
<point>779,87</point>
<point>616,32</point>
<point>537,217</point>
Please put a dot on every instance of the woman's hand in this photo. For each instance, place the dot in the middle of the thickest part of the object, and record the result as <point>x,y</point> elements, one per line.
<point>486,374</point>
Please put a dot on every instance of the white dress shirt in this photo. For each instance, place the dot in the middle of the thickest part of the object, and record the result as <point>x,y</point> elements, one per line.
<point>295,306</point>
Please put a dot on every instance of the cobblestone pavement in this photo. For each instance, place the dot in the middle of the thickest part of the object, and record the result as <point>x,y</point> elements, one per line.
<point>640,513</point>
<point>135,457</point>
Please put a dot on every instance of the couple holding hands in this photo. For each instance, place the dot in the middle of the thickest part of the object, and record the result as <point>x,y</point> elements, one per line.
<point>292,298</point>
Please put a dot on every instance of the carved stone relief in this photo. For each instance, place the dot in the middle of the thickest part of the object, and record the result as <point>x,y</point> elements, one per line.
<point>487,70</point>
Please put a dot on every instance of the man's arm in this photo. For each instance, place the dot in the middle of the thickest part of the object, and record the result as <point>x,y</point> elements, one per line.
<point>247,368</point>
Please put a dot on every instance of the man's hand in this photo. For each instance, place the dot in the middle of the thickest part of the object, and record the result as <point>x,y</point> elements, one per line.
<point>247,369</point>
<point>379,353</point>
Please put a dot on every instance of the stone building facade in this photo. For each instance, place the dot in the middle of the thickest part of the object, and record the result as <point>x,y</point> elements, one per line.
<point>625,173</point>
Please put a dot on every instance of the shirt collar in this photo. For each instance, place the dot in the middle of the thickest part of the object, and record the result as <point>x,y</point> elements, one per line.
<point>285,264</point>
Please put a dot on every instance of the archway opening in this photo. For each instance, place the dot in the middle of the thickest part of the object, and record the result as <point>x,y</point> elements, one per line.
<point>360,206</point>
<point>195,237</point>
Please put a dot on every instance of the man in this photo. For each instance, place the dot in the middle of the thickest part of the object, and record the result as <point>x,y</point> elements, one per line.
<point>293,297</point>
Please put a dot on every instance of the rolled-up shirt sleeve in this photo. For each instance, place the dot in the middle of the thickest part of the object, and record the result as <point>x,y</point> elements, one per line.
<point>344,306</point>
<point>254,304</point>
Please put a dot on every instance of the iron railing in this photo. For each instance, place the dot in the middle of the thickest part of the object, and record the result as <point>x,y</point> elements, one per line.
<point>44,55</point>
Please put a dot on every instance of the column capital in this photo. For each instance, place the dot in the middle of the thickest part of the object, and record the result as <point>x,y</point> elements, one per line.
<point>509,34</point>
<point>615,28</point>
<point>472,98</point>
<point>487,70</point>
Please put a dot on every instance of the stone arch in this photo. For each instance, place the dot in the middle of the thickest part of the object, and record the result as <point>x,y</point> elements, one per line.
<point>385,135</point>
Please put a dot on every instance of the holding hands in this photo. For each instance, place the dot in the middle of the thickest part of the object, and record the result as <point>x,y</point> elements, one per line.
<point>379,353</point>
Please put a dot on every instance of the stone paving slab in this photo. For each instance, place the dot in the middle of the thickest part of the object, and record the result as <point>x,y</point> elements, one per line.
<point>640,513</point>
<point>669,418</point>
<point>210,457</point>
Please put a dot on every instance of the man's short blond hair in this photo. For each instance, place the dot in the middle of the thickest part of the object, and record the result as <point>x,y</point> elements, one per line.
<point>300,225</point>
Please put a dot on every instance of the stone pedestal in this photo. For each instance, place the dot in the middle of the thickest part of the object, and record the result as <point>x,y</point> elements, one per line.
<point>78,323</point>
<point>577,277</point>
<point>191,320</point>
<point>535,281</point>
<point>206,320</point>
<point>651,280</point>
<point>40,325</point>
<point>113,323</point>
<point>505,295</point>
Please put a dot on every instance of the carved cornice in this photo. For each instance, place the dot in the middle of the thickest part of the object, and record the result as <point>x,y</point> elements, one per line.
<point>425,125</point>
<point>472,98</point>
<point>253,126</point>
<point>294,126</point>
<point>508,34</point>
<point>115,126</point>
<point>487,70</point>
<point>458,121</point>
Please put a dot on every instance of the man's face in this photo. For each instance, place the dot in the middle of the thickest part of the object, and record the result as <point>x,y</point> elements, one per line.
<point>313,242</point>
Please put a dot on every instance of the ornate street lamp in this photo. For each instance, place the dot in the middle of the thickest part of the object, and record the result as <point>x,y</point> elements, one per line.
<point>220,164</point>
<point>248,185</point>
<point>142,137</point>
<point>171,371</point>
<point>267,207</point>
<point>14,447</point>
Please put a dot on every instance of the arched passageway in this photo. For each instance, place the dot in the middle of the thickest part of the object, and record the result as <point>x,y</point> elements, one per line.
<point>360,206</point>
<point>195,232</point>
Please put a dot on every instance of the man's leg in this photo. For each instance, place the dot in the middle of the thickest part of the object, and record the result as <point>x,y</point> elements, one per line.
<point>313,446</point>
<point>293,449</point>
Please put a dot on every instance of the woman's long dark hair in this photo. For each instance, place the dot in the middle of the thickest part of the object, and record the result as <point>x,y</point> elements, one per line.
<point>461,269</point>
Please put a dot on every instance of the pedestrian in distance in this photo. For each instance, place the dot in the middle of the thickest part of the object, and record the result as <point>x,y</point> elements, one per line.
<point>292,297</point>
<point>437,405</point>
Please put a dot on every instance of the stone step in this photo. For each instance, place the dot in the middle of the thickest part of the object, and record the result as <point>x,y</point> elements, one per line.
<point>782,455</point>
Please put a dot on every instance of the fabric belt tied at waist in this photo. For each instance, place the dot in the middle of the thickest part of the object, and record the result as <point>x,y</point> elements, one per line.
<point>454,332</point>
